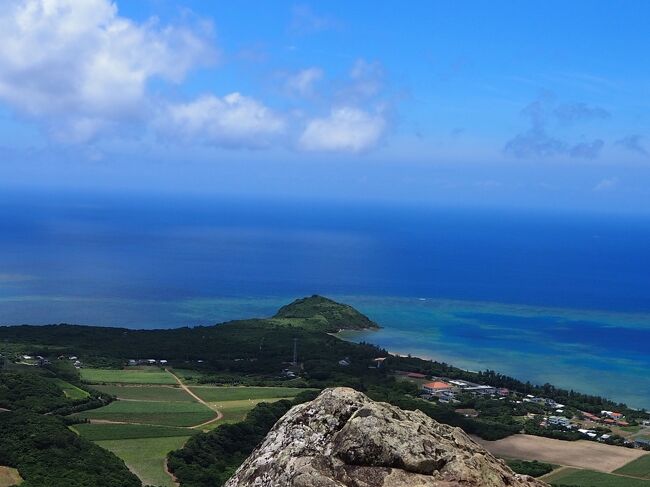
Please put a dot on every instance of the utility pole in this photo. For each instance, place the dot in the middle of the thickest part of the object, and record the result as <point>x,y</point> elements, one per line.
<point>295,352</point>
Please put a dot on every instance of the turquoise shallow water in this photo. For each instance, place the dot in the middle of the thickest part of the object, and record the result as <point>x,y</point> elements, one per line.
<point>597,352</point>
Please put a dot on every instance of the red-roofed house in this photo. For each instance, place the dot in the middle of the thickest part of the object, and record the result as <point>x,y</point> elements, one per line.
<point>436,386</point>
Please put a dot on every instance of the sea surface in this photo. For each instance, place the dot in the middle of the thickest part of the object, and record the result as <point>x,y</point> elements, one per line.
<point>546,297</point>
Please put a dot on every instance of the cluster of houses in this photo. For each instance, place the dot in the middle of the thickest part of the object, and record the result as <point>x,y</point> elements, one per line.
<point>34,360</point>
<point>148,361</point>
<point>445,390</point>
<point>606,418</point>
<point>72,358</point>
<point>545,402</point>
<point>610,418</point>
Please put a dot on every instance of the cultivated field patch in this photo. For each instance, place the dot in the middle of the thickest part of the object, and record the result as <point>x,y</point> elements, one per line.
<point>152,412</point>
<point>637,468</point>
<point>146,456</point>
<point>71,391</point>
<point>141,375</point>
<point>582,454</point>
<point>9,476</point>
<point>146,393</point>
<point>236,411</point>
<point>214,394</point>
<point>588,478</point>
<point>103,431</point>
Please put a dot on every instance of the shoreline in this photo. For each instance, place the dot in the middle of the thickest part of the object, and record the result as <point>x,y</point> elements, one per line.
<point>427,357</point>
<point>395,352</point>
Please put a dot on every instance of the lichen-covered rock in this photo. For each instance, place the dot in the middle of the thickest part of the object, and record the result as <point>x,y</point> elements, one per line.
<point>344,439</point>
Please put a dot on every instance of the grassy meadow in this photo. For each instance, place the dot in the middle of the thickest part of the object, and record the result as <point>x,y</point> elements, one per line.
<point>146,456</point>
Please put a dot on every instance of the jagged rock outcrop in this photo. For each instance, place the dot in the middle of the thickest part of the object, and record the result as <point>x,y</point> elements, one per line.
<point>343,438</point>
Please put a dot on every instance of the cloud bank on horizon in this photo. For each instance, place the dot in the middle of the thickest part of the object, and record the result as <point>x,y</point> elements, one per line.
<point>490,85</point>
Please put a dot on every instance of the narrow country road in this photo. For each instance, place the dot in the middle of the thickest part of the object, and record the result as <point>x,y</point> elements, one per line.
<point>189,391</point>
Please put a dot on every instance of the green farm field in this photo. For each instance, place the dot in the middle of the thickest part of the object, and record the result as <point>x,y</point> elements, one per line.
<point>637,468</point>
<point>152,412</point>
<point>146,456</point>
<point>188,375</point>
<point>149,420</point>
<point>225,393</point>
<point>142,375</point>
<point>146,393</point>
<point>70,391</point>
<point>97,431</point>
<point>588,478</point>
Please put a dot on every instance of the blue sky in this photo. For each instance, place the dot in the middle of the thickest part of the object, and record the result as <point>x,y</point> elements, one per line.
<point>523,104</point>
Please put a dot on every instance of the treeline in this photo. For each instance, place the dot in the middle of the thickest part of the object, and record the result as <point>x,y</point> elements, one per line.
<point>209,459</point>
<point>48,454</point>
<point>260,347</point>
<point>30,391</point>
<point>534,468</point>
<point>35,391</point>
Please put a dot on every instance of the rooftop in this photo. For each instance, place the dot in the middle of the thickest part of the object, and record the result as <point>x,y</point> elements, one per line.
<point>437,385</point>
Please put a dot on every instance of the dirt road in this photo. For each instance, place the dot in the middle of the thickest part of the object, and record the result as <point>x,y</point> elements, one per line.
<point>209,406</point>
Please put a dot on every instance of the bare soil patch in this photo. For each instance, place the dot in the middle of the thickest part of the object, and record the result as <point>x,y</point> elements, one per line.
<point>581,454</point>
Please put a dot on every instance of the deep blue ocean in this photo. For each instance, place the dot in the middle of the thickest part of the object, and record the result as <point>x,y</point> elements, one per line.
<point>556,297</point>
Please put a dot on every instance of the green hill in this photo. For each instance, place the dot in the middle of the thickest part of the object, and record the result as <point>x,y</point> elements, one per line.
<point>323,314</point>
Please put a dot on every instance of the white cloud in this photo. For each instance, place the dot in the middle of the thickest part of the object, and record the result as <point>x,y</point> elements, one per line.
<point>302,83</point>
<point>80,68</point>
<point>346,129</point>
<point>231,121</point>
<point>305,21</point>
<point>606,184</point>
